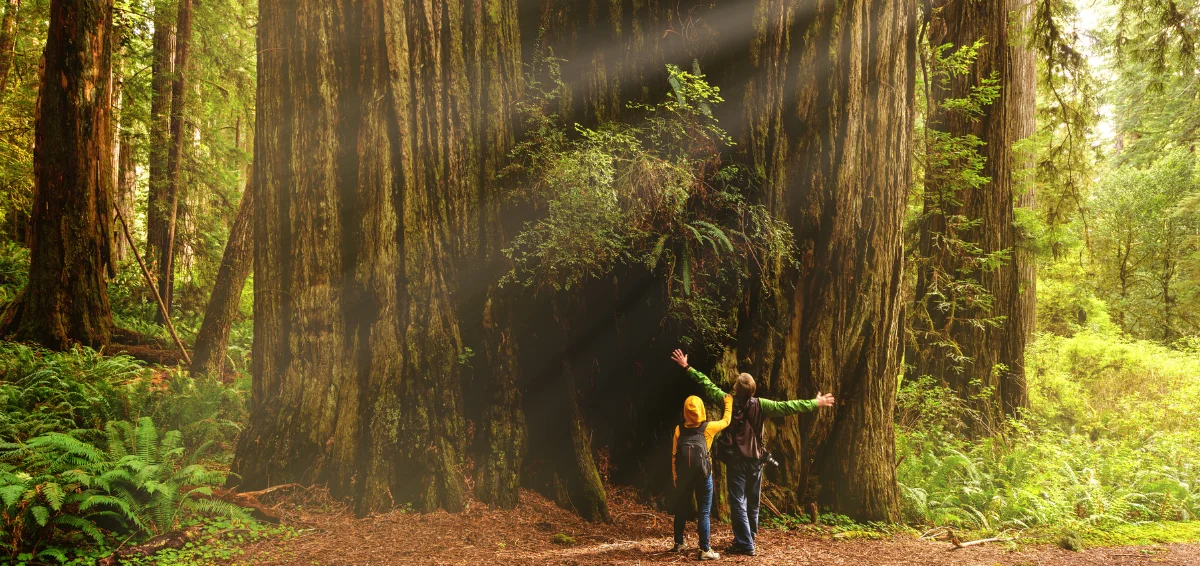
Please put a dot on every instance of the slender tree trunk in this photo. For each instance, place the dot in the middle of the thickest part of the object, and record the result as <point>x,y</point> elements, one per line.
<point>163,71</point>
<point>1013,388</point>
<point>124,166</point>
<point>183,43</point>
<point>66,300</point>
<point>991,380</point>
<point>8,36</point>
<point>208,355</point>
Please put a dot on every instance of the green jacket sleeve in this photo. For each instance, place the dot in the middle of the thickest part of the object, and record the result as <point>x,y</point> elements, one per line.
<point>785,408</point>
<point>711,390</point>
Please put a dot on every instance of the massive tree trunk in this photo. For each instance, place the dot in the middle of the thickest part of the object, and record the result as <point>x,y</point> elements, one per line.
<point>826,98</point>
<point>991,377</point>
<point>208,355</point>
<point>356,378</point>
<point>8,36</point>
<point>162,73</point>
<point>493,59</point>
<point>183,43</point>
<point>66,300</point>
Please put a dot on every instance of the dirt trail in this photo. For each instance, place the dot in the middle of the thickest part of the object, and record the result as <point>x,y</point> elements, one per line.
<point>331,535</point>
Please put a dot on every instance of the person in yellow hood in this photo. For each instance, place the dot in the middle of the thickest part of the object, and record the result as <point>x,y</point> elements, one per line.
<point>691,470</point>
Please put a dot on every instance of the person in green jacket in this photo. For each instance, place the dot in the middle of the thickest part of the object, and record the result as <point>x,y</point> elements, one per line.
<point>745,466</point>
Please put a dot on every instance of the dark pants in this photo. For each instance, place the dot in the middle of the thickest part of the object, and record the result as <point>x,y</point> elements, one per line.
<point>745,487</point>
<point>703,488</point>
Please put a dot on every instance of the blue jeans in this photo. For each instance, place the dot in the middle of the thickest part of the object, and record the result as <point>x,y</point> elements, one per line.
<point>704,495</point>
<point>745,487</point>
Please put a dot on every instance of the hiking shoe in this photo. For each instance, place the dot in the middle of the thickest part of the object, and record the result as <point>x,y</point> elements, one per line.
<point>679,547</point>
<point>740,551</point>
<point>709,554</point>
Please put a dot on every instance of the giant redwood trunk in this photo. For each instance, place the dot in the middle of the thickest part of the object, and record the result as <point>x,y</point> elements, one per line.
<point>356,378</point>
<point>208,355</point>
<point>66,300</point>
<point>826,123</point>
<point>991,378</point>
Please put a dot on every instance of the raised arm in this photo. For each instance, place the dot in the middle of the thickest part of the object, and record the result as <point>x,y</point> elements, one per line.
<point>711,391</point>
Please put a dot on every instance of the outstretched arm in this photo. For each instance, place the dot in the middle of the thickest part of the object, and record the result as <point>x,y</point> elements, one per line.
<point>785,408</point>
<point>711,391</point>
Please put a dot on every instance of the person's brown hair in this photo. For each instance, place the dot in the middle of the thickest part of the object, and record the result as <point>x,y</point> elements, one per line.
<point>744,387</point>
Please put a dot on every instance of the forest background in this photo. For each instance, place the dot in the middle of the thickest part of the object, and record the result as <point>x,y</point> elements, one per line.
<point>437,264</point>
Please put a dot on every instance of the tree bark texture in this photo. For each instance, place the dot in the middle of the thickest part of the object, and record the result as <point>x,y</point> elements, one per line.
<point>208,355</point>
<point>179,131</point>
<point>1014,391</point>
<point>162,75</point>
<point>827,125</point>
<point>357,381</point>
<point>66,300</point>
<point>8,36</point>
<point>993,377</point>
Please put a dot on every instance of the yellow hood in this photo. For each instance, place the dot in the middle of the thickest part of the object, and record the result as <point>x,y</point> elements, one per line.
<point>693,412</point>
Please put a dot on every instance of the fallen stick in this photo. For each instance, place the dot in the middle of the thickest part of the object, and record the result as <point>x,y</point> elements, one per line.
<point>770,506</point>
<point>270,489</point>
<point>162,308</point>
<point>958,545</point>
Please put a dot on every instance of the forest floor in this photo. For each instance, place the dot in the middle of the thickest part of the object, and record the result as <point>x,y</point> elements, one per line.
<point>539,532</point>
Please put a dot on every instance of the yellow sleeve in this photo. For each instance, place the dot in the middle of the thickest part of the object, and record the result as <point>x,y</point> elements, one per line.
<point>674,445</point>
<point>710,432</point>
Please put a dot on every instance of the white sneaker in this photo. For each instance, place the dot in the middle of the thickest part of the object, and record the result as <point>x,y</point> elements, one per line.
<point>709,554</point>
<point>680,547</point>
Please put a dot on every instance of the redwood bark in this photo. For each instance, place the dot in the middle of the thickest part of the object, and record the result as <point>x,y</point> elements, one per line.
<point>66,300</point>
<point>356,378</point>
<point>827,123</point>
<point>8,36</point>
<point>208,355</point>
<point>183,43</point>
<point>996,353</point>
<point>162,73</point>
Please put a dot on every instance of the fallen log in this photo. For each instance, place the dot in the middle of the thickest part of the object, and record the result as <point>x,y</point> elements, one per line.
<point>171,540</point>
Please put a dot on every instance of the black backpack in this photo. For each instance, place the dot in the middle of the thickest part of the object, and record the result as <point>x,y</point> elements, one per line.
<point>691,455</point>
<point>741,439</point>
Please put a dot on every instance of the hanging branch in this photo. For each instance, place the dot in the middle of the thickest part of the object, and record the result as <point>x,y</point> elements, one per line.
<point>150,282</point>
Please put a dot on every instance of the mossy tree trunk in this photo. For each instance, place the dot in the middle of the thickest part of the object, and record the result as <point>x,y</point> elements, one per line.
<point>991,377</point>
<point>66,299</point>
<point>826,123</point>
<point>363,148</point>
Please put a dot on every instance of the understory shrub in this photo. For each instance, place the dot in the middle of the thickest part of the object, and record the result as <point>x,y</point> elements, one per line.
<point>61,493</point>
<point>1113,438</point>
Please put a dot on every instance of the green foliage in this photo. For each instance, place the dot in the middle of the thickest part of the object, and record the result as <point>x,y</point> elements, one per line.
<point>945,257</point>
<point>653,193</point>
<point>43,392</point>
<point>14,270</point>
<point>60,492</point>
<point>1111,441</point>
